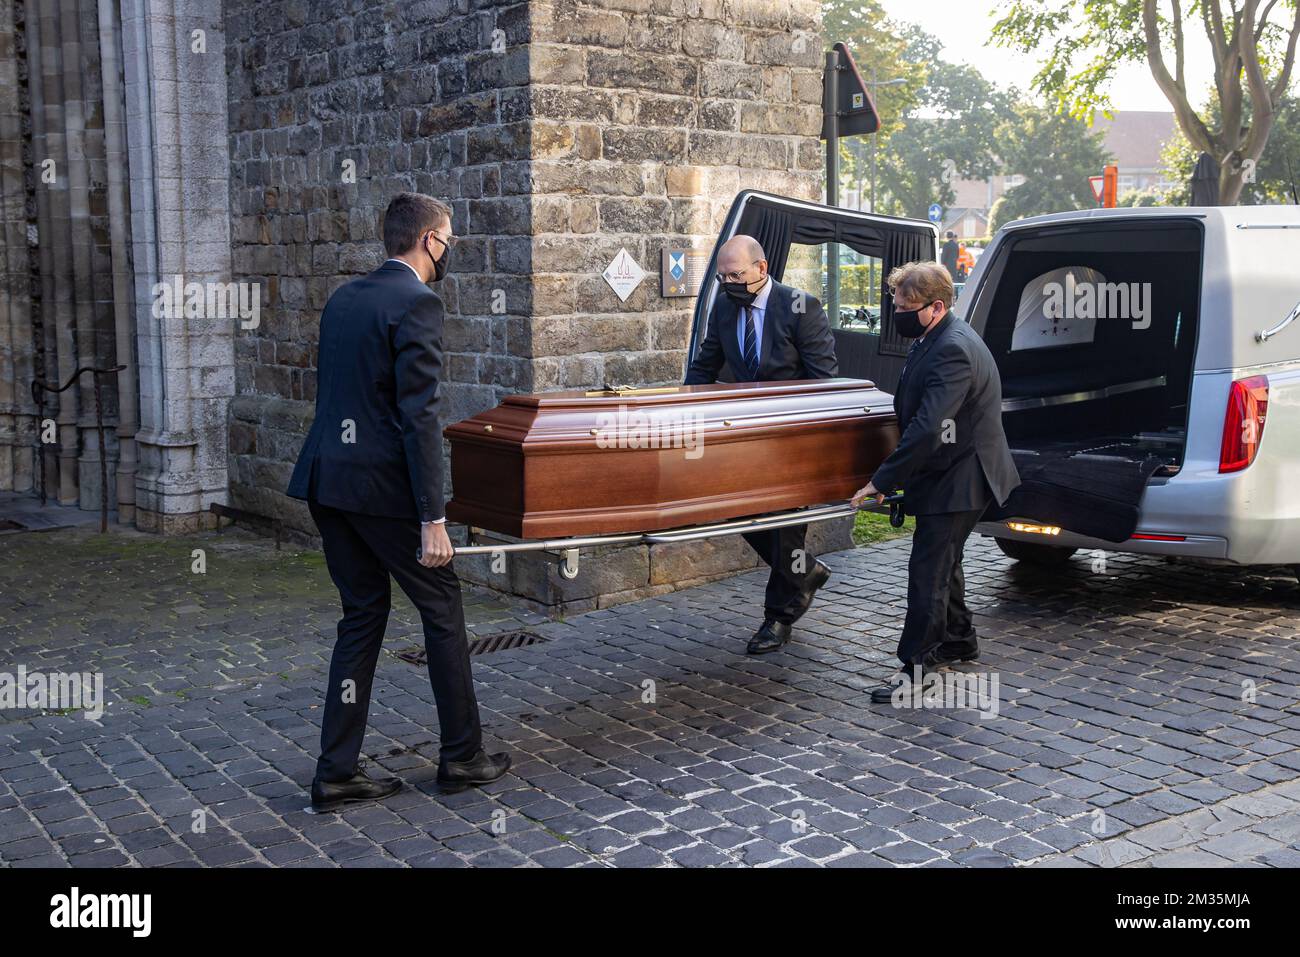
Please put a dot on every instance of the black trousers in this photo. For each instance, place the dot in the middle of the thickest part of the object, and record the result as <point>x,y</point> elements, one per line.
<point>936,587</point>
<point>783,550</point>
<point>361,552</point>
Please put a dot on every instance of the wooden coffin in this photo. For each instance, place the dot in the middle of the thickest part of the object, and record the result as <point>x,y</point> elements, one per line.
<point>567,464</point>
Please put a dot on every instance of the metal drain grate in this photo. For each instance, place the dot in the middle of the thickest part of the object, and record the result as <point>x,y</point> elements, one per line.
<point>504,642</point>
<point>488,644</point>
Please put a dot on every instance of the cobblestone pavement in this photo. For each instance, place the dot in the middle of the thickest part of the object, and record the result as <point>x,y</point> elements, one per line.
<point>1148,716</point>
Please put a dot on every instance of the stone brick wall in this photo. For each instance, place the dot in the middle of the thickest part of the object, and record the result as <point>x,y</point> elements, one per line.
<point>174,95</point>
<point>334,107</point>
<point>560,132</point>
<point>649,117</point>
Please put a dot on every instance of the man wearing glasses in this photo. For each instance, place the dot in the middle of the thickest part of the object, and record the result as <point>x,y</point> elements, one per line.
<point>763,331</point>
<point>371,472</point>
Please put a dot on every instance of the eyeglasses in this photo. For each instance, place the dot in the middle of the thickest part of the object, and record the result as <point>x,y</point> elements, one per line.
<point>449,241</point>
<point>737,275</point>
<point>898,307</point>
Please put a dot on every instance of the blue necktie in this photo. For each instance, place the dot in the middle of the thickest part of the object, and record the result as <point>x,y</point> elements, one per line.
<point>751,345</point>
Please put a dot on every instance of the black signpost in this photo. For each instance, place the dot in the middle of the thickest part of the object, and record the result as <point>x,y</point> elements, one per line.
<point>847,110</point>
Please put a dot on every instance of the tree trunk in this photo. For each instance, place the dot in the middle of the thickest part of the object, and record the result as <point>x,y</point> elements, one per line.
<point>1231,183</point>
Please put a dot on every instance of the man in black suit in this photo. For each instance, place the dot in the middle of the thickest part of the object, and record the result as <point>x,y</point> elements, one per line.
<point>949,253</point>
<point>951,461</point>
<point>766,332</point>
<point>371,472</point>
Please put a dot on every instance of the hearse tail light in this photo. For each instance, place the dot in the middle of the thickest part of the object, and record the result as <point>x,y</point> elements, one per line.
<point>1243,426</point>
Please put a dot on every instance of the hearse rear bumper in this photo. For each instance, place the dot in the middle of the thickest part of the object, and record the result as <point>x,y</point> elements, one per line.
<point>1199,513</point>
<point>1159,542</point>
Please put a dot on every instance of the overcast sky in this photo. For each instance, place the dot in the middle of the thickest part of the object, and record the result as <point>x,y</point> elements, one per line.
<point>963,26</point>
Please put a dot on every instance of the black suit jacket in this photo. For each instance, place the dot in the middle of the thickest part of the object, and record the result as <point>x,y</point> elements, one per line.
<point>949,406</point>
<point>380,367</point>
<point>797,341</point>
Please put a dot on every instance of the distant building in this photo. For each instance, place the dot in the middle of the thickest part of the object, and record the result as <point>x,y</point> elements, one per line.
<point>1135,138</point>
<point>968,222</point>
<point>1137,141</point>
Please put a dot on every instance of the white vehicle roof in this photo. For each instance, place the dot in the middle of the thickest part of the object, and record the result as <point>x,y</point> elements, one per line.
<point>1250,278</point>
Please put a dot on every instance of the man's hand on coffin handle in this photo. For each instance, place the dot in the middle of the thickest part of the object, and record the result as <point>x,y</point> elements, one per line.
<point>435,546</point>
<point>869,491</point>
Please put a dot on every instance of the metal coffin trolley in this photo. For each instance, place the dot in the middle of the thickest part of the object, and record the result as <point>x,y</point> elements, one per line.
<point>569,470</point>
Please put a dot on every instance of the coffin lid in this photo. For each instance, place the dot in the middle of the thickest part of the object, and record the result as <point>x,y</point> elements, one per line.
<point>741,409</point>
<point>671,395</point>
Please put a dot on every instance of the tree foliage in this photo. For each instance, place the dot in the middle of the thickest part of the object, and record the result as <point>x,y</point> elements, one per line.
<point>1056,154</point>
<point>1084,44</point>
<point>1272,178</point>
<point>951,133</point>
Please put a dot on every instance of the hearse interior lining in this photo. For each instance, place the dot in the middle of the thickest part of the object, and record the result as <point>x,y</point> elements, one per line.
<point>1091,422</point>
<point>894,244</point>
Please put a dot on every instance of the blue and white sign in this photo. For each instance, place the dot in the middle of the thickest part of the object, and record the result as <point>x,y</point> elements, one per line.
<point>681,271</point>
<point>936,214</point>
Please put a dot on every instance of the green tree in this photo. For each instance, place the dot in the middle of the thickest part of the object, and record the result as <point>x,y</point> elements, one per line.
<point>1273,177</point>
<point>951,133</point>
<point>1254,48</point>
<point>1056,154</point>
<point>1145,197</point>
<point>881,52</point>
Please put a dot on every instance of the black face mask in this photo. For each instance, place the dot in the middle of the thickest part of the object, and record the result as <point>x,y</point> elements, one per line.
<point>439,264</point>
<point>738,292</point>
<point>907,322</point>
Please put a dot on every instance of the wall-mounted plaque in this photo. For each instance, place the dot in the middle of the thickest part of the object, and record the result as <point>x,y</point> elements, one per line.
<point>682,272</point>
<point>624,274</point>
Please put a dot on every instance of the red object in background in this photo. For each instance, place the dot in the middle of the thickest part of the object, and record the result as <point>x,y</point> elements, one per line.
<point>1110,190</point>
<point>1243,425</point>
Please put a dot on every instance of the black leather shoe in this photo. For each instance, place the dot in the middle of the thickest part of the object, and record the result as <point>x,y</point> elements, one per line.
<point>331,795</point>
<point>772,636</point>
<point>956,648</point>
<point>885,693</point>
<point>818,577</point>
<point>483,768</point>
<point>953,652</point>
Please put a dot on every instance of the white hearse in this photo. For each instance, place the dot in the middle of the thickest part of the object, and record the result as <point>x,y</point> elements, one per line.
<point>1150,363</point>
<point>1185,363</point>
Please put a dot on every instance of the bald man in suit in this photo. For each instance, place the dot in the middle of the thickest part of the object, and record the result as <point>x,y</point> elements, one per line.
<point>764,331</point>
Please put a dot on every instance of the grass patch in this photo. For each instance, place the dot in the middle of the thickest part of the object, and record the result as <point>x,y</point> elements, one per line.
<point>869,528</point>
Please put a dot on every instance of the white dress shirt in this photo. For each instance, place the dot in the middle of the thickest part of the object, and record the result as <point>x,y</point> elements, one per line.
<point>436,521</point>
<point>406,264</point>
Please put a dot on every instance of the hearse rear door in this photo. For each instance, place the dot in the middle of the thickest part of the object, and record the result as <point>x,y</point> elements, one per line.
<point>842,257</point>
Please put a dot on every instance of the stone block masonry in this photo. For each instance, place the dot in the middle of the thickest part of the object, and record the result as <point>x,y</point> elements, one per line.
<point>257,142</point>
<point>560,132</point>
